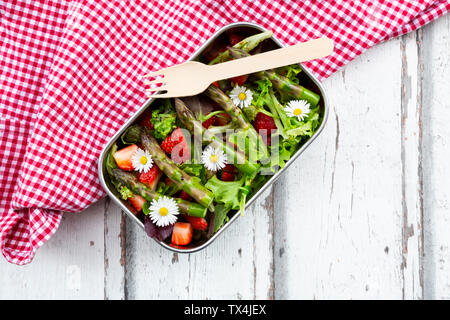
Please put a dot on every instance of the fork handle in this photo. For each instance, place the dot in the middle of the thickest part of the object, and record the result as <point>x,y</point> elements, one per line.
<point>305,51</point>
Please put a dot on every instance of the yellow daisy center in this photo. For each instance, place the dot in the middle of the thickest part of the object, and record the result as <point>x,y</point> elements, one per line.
<point>143,160</point>
<point>163,211</point>
<point>297,112</point>
<point>242,96</point>
<point>214,158</point>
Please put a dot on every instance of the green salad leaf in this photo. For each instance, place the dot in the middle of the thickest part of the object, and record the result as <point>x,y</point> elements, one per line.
<point>164,120</point>
<point>220,216</point>
<point>125,193</point>
<point>290,72</point>
<point>226,192</point>
<point>196,170</point>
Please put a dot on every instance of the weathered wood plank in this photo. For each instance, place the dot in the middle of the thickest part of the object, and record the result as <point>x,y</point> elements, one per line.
<point>114,251</point>
<point>69,266</point>
<point>436,155</point>
<point>411,148</point>
<point>338,210</point>
<point>237,265</point>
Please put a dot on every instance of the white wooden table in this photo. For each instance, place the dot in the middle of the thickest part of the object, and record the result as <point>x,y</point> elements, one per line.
<point>363,214</point>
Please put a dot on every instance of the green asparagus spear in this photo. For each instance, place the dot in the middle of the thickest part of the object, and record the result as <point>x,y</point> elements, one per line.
<point>130,180</point>
<point>188,119</point>
<point>238,117</point>
<point>192,185</point>
<point>247,44</point>
<point>282,84</point>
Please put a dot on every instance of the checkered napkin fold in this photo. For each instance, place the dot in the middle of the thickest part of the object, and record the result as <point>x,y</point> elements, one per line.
<point>69,79</point>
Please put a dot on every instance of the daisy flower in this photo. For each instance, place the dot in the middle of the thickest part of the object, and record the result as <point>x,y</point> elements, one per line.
<point>241,96</point>
<point>297,108</point>
<point>163,211</point>
<point>214,159</point>
<point>142,160</point>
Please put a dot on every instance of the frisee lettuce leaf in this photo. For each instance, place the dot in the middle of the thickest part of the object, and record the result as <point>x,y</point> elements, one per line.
<point>226,192</point>
<point>125,193</point>
<point>164,120</point>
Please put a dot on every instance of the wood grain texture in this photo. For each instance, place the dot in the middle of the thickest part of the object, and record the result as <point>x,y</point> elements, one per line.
<point>338,230</point>
<point>436,155</point>
<point>114,251</point>
<point>411,153</point>
<point>69,266</point>
<point>238,265</point>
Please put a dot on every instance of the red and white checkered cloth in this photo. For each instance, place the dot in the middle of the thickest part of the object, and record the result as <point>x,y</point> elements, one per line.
<point>70,71</point>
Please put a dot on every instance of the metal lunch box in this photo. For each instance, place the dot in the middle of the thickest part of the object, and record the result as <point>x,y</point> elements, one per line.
<point>307,79</point>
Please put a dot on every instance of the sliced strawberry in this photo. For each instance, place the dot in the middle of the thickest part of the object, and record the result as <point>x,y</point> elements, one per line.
<point>151,177</point>
<point>264,124</point>
<point>124,156</point>
<point>209,122</point>
<point>137,202</point>
<point>185,196</point>
<point>223,119</point>
<point>197,223</point>
<point>146,121</point>
<point>240,80</point>
<point>235,38</point>
<point>176,145</point>
<point>227,176</point>
<point>182,233</point>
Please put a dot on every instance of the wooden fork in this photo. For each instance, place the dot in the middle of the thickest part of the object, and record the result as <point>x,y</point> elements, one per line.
<point>192,77</point>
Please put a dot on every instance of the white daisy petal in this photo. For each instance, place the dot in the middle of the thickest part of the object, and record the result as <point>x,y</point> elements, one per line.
<point>142,160</point>
<point>214,159</point>
<point>163,211</point>
<point>298,108</point>
<point>241,96</point>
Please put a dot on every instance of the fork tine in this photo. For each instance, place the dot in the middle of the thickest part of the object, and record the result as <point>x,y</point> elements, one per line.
<point>160,88</point>
<point>149,83</point>
<point>153,74</point>
<point>161,95</point>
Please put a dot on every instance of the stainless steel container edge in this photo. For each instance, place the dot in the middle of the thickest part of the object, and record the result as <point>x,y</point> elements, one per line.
<point>102,158</point>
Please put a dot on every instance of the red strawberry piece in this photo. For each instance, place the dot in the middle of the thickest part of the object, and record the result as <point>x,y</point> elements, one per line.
<point>227,176</point>
<point>185,196</point>
<point>264,124</point>
<point>182,233</point>
<point>197,223</point>
<point>223,119</point>
<point>168,182</point>
<point>239,80</point>
<point>137,202</point>
<point>216,84</point>
<point>235,38</point>
<point>146,121</point>
<point>176,145</point>
<point>230,168</point>
<point>209,122</point>
<point>124,156</point>
<point>151,177</point>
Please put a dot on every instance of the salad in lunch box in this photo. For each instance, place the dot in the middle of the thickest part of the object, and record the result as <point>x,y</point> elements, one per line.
<point>187,165</point>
